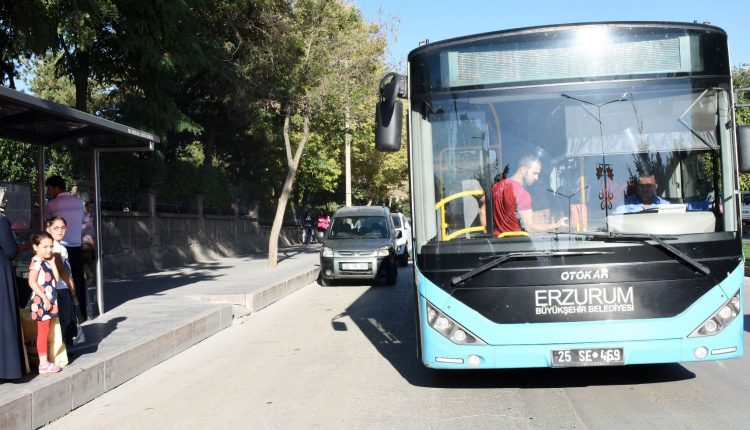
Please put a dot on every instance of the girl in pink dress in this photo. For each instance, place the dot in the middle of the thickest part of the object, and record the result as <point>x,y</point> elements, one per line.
<point>43,278</point>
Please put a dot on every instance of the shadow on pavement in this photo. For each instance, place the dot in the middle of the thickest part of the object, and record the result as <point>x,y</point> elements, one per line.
<point>385,315</point>
<point>95,333</point>
<point>122,290</point>
<point>289,252</point>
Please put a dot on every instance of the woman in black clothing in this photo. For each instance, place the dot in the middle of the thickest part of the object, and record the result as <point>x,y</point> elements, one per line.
<point>10,325</point>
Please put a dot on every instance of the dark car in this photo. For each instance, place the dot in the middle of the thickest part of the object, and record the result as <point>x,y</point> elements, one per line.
<point>360,243</point>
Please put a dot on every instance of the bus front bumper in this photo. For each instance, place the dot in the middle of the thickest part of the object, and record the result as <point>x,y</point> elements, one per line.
<point>440,353</point>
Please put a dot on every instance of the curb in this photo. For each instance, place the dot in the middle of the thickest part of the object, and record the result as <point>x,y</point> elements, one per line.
<point>48,398</point>
<point>257,300</point>
<point>43,400</point>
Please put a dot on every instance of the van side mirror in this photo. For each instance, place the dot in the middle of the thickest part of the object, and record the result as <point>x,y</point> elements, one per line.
<point>388,113</point>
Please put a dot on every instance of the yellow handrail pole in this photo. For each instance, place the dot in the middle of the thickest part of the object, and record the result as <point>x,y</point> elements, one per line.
<point>441,205</point>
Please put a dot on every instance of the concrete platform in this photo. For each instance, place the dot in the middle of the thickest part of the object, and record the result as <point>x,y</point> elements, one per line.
<point>150,318</point>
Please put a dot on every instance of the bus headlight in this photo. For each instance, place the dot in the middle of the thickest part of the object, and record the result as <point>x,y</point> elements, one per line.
<point>449,328</point>
<point>720,319</point>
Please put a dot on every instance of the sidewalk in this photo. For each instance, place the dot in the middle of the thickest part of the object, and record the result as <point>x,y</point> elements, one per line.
<point>150,318</point>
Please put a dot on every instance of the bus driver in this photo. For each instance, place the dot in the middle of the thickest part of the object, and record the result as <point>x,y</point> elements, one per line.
<point>644,197</point>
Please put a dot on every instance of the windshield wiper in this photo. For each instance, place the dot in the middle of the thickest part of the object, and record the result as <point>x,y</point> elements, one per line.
<point>644,237</point>
<point>500,259</point>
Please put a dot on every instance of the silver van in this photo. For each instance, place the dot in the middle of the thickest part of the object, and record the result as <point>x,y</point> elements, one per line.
<point>360,243</point>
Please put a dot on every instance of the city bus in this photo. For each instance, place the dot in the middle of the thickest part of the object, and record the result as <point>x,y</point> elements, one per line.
<point>597,105</point>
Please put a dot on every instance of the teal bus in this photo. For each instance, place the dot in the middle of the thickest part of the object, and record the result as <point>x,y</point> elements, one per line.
<point>597,107</point>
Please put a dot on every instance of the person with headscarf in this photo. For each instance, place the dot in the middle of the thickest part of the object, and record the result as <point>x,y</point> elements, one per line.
<point>11,352</point>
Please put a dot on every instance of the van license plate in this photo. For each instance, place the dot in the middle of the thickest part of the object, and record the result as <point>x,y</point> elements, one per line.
<point>355,266</point>
<point>587,357</point>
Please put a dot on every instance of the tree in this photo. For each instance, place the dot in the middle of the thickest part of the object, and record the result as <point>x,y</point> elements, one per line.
<point>26,29</point>
<point>324,49</point>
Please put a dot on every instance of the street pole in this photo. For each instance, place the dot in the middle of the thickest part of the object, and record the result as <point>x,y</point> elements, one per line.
<point>348,159</point>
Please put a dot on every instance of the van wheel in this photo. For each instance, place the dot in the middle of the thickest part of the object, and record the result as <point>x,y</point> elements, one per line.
<point>324,282</point>
<point>403,260</point>
<point>390,277</point>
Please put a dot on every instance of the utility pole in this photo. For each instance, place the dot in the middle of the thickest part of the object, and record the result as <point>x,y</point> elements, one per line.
<point>348,159</point>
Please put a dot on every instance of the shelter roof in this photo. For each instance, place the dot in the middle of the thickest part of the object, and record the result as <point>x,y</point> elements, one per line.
<point>26,118</point>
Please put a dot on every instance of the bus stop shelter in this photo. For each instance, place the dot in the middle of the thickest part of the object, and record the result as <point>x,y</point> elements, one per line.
<point>29,119</point>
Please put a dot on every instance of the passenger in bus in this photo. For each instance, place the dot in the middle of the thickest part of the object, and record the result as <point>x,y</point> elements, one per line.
<point>644,195</point>
<point>512,203</point>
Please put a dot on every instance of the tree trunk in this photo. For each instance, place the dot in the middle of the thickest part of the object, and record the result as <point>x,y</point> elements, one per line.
<point>81,80</point>
<point>292,164</point>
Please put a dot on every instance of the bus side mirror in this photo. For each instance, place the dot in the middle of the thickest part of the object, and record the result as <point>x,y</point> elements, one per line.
<point>743,148</point>
<point>388,113</point>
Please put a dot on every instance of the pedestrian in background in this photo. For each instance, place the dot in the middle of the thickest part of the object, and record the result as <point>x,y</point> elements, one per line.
<point>322,224</point>
<point>43,279</point>
<point>70,208</point>
<point>308,227</point>
<point>66,287</point>
<point>11,350</point>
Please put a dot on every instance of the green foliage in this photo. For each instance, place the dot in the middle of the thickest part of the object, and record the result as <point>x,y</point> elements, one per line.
<point>217,94</point>
<point>17,162</point>
<point>741,79</point>
<point>25,30</point>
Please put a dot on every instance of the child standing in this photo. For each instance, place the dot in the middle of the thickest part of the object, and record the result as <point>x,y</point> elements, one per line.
<point>43,278</point>
<point>66,288</point>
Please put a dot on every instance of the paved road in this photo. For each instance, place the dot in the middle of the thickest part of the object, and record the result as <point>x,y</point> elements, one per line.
<point>343,357</point>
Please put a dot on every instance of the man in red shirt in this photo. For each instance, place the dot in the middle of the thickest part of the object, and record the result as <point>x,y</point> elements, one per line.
<point>512,203</point>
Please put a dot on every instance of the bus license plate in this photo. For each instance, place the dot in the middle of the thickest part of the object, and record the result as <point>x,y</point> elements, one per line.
<point>354,266</point>
<point>587,357</point>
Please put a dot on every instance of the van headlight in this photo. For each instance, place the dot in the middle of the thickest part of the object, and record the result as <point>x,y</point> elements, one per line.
<point>384,251</point>
<point>327,252</point>
<point>720,319</point>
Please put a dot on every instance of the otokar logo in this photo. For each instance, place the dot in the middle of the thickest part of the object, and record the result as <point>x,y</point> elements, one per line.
<point>584,275</point>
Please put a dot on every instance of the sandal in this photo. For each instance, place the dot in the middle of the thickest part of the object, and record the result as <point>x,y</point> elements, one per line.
<point>49,368</point>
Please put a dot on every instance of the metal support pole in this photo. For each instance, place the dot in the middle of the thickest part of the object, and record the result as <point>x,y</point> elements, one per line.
<point>348,158</point>
<point>40,184</point>
<point>98,240</point>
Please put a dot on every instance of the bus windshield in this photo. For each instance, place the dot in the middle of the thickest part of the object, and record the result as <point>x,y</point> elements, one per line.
<point>645,157</point>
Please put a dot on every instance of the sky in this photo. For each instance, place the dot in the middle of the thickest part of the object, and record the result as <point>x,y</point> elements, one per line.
<point>437,20</point>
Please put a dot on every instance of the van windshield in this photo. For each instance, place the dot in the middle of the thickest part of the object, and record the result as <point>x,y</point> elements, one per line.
<point>358,227</point>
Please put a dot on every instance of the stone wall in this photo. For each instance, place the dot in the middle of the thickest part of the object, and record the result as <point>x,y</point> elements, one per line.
<point>145,241</point>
